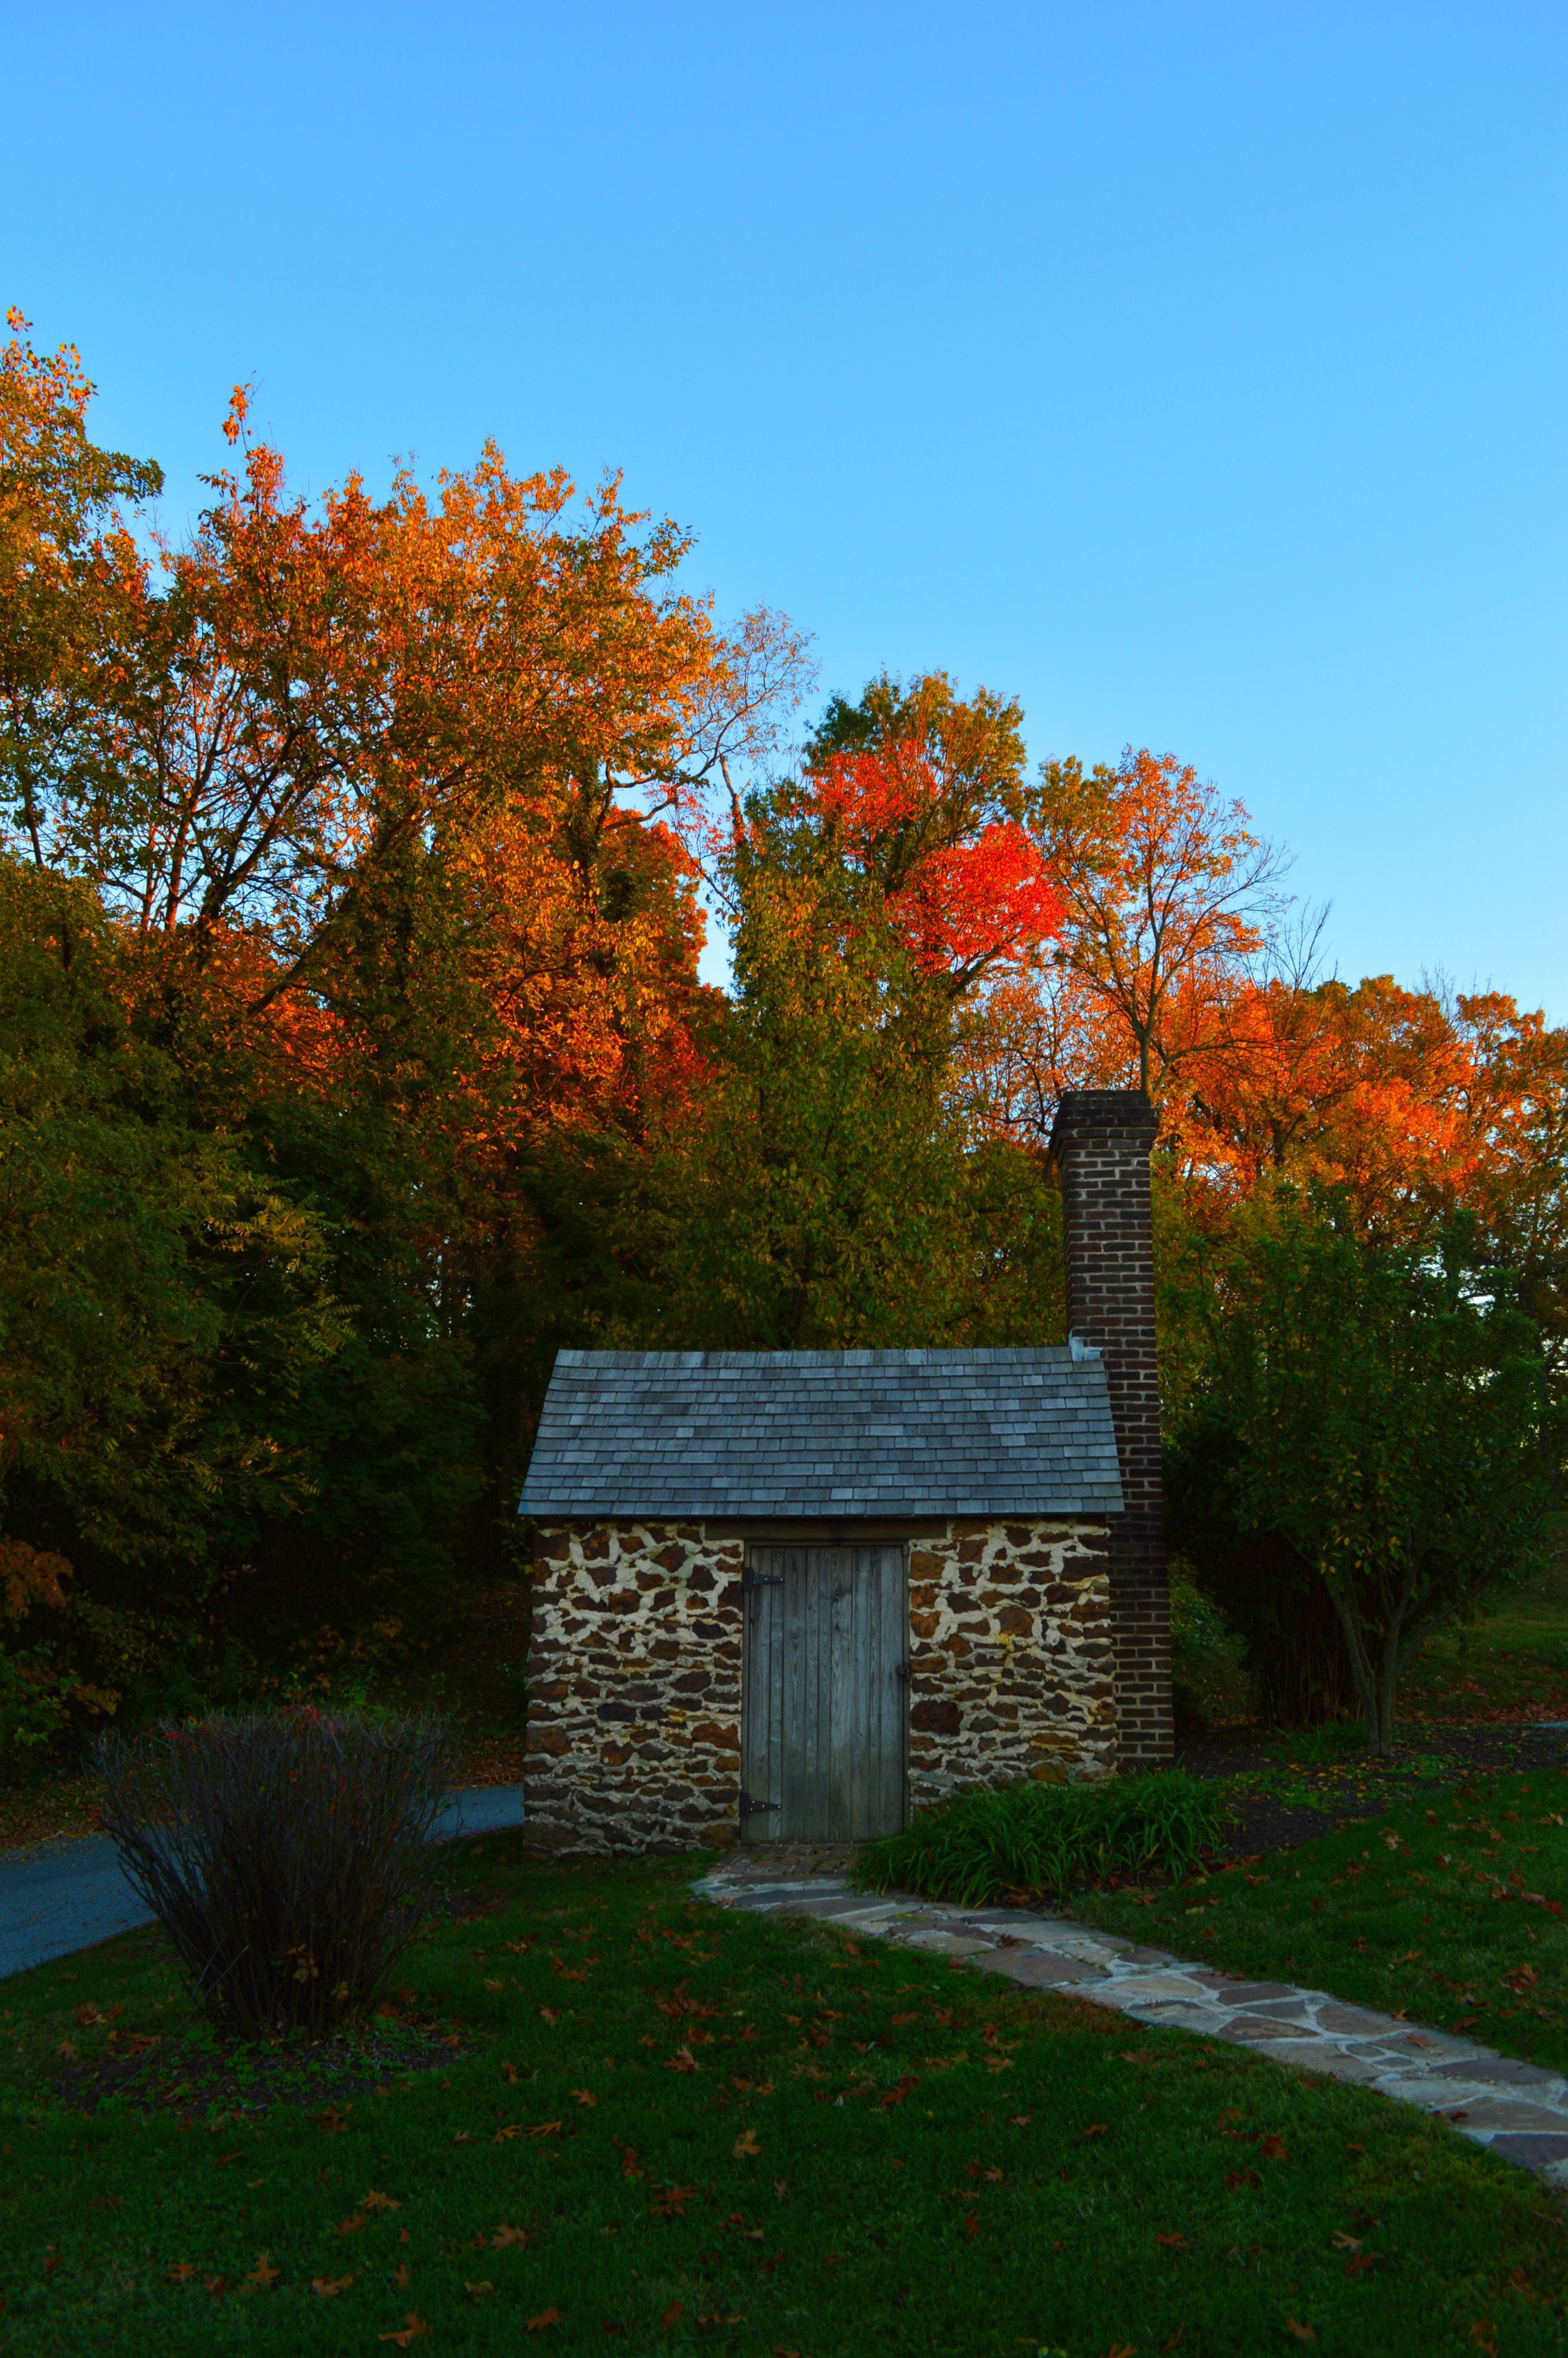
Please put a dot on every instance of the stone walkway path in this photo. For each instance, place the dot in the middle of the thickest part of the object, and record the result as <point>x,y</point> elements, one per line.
<point>1520,2112</point>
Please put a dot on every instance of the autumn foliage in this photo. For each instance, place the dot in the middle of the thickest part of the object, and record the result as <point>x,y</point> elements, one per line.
<point>358,854</point>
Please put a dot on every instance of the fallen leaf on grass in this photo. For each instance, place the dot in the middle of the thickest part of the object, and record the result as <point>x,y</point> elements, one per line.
<point>1235,2178</point>
<point>332,2123</point>
<point>546,2317</point>
<point>180,2272</point>
<point>1172,2243</point>
<point>584,2096</point>
<point>329,2287</point>
<point>263,2273</point>
<point>1302,2333</point>
<point>480,2291</point>
<point>1096,2129</point>
<point>400,2275</point>
<point>1344,2243</point>
<point>1274,2148</point>
<point>745,2146</point>
<point>548,2014</point>
<point>505,2238</point>
<point>682,2060</point>
<point>463,2136</point>
<point>215,2286</point>
<point>1362,2263</point>
<point>374,2201</point>
<point>414,2325</point>
<point>1019,2120</point>
<point>672,2203</point>
<point>971,2227</point>
<point>671,2316</point>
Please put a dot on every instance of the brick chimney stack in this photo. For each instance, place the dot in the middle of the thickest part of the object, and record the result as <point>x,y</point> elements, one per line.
<point>1101,1142</point>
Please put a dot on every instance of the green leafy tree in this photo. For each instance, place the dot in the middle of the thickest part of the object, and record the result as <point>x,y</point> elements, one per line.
<point>1367,1428</point>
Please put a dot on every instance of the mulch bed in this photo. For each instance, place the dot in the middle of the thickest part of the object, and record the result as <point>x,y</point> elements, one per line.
<point>231,2079</point>
<point>1356,1786</point>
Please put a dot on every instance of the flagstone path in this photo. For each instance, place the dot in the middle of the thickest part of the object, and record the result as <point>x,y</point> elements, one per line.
<point>1515,2109</point>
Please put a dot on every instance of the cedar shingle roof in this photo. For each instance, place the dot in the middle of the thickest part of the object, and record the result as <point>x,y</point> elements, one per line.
<point>823,1433</point>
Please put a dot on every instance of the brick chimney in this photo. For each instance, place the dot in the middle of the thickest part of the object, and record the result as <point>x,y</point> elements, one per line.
<point>1101,1142</point>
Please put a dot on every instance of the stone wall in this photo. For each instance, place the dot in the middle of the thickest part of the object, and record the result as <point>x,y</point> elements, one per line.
<point>1010,1670</point>
<point>634,1688</point>
<point>634,1674</point>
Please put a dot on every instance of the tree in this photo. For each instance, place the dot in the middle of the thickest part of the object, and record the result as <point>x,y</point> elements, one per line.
<point>162,1304</point>
<point>1164,891</point>
<point>69,572</point>
<point>832,1190</point>
<point>1371,1419</point>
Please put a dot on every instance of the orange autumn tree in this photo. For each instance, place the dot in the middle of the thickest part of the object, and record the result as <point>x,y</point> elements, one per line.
<point>1166,895</point>
<point>832,1191</point>
<point>1165,899</point>
<point>384,801</point>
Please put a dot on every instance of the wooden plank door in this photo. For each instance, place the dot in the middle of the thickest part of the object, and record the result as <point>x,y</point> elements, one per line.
<point>825,1682</point>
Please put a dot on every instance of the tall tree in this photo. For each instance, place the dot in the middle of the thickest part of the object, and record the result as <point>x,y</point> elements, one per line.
<point>1375,1415</point>
<point>1165,893</point>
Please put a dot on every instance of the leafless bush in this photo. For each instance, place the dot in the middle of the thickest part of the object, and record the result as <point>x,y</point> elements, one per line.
<point>283,1853</point>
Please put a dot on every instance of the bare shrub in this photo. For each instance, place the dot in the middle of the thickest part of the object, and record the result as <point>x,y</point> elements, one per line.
<point>285,1853</point>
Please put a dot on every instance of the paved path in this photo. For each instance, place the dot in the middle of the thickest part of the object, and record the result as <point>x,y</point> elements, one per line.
<point>1519,2112</point>
<point>66,1895</point>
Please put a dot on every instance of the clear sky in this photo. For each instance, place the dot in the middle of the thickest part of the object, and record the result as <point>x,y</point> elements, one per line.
<point>1198,373</point>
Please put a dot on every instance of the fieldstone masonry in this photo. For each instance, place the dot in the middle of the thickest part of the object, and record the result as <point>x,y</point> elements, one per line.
<point>1010,1656</point>
<point>1101,1142</point>
<point>635,1674</point>
<point>634,1688</point>
<point>1516,2110</point>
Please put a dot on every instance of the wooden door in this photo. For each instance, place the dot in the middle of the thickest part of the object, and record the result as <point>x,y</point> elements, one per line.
<point>825,1681</point>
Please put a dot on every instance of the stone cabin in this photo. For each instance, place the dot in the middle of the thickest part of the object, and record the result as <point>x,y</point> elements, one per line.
<point>797,1596</point>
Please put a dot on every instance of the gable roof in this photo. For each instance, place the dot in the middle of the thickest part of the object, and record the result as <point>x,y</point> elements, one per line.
<point>824,1433</point>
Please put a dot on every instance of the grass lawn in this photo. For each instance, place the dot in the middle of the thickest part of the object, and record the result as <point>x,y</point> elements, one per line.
<point>666,2129</point>
<point>1510,1664</point>
<point>1421,1910</point>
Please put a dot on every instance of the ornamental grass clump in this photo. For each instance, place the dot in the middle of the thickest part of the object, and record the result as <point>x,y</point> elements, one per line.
<point>1022,1843</point>
<point>284,1853</point>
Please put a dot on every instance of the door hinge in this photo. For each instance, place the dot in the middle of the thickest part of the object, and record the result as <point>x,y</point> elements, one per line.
<point>750,1809</point>
<point>750,1579</point>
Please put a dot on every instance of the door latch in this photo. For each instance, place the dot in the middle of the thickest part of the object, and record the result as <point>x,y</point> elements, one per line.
<point>750,1579</point>
<point>750,1809</point>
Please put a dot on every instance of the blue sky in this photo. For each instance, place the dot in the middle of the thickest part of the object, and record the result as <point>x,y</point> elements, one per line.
<point>1197,374</point>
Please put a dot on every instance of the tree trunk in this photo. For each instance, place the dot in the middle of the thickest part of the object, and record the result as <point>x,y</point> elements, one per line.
<point>1387,1688</point>
<point>1367,1686</point>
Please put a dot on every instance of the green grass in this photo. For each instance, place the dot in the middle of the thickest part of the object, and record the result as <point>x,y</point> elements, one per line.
<point>666,2129</point>
<point>1437,1926</point>
<point>1512,1663</point>
<point>1024,1840</point>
